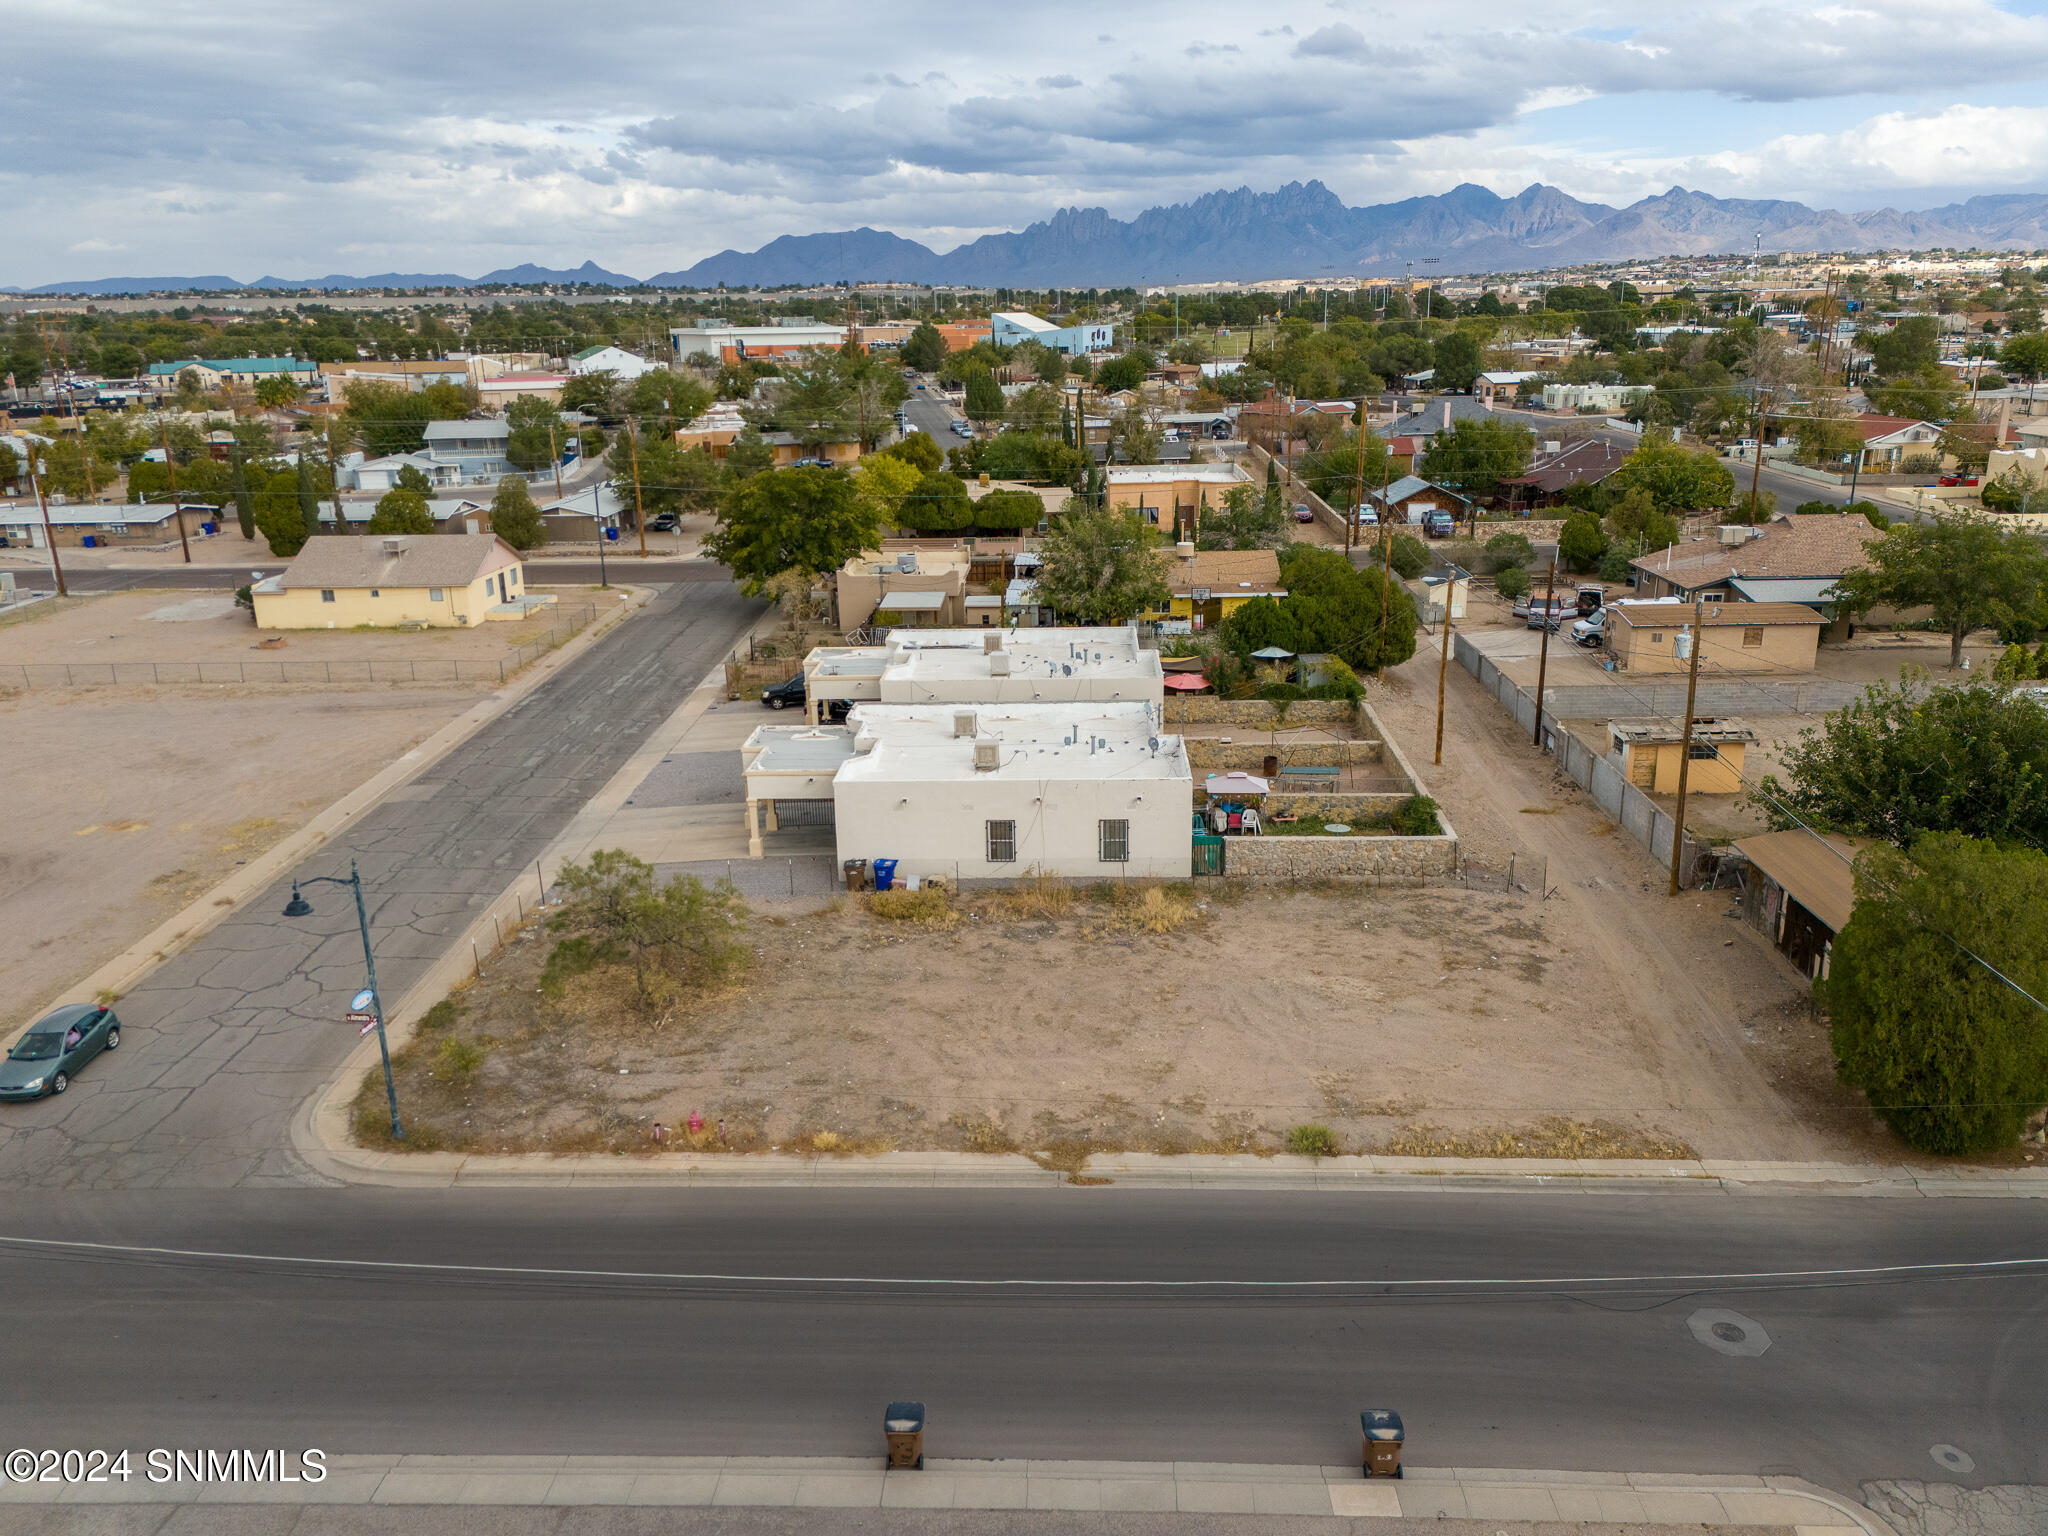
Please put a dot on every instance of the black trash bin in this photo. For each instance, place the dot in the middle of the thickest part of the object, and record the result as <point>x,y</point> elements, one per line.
<point>1383,1434</point>
<point>903,1428</point>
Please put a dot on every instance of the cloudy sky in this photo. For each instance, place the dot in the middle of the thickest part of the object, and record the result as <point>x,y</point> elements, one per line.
<point>158,137</point>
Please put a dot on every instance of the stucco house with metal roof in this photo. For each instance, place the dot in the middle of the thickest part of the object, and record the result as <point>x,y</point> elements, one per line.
<point>441,581</point>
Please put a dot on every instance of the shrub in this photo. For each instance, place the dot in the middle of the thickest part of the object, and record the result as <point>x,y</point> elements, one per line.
<point>461,1058</point>
<point>1415,817</point>
<point>1411,556</point>
<point>1507,549</point>
<point>1511,581</point>
<point>928,908</point>
<point>1312,1141</point>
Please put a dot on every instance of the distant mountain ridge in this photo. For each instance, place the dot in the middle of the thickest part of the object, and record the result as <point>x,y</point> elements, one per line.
<point>1301,230</point>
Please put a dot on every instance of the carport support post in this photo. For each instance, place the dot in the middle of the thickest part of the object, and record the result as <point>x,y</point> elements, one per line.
<point>1692,685</point>
<point>753,829</point>
<point>1543,657</point>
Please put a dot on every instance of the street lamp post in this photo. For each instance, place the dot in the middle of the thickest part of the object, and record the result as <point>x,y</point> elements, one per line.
<point>298,906</point>
<point>604,580</point>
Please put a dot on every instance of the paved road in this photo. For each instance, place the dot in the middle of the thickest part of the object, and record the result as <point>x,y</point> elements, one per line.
<point>1790,490</point>
<point>614,1352</point>
<point>929,413</point>
<point>580,571</point>
<point>226,1039</point>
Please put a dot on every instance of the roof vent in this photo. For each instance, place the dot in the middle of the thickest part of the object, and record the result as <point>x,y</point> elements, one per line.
<point>987,755</point>
<point>998,663</point>
<point>991,642</point>
<point>906,563</point>
<point>964,722</point>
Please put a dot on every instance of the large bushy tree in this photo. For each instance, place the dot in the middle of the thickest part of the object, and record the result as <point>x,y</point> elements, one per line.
<point>1102,566</point>
<point>401,511</point>
<point>1968,568</point>
<point>1924,991</point>
<point>514,516</point>
<point>1476,455</point>
<point>806,519</point>
<point>1331,607</point>
<point>1675,479</point>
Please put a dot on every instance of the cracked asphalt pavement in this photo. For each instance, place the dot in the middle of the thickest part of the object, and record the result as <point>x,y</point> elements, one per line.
<point>228,1037</point>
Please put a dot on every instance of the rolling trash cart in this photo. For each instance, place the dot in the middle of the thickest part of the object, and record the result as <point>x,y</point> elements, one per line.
<point>903,1428</point>
<point>1383,1436</point>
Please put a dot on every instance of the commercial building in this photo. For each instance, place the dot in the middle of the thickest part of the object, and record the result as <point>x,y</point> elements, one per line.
<point>614,360</point>
<point>215,371</point>
<point>1736,637</point>
<point>736,343</point>
<point>447,582</point>
<point>1009,328</point>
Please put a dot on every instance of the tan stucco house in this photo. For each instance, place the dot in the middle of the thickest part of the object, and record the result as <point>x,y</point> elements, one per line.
<point>444,581</point>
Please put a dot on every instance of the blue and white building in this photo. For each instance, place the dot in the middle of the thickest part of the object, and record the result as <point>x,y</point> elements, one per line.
<point>1008,328</point>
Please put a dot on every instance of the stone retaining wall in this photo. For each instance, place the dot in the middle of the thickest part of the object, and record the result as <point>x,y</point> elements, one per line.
<point>1389,859</point>
<point>1337,805</point>
<point>744,677</point>
<point>1257,714</point>
<point>1206,755</point>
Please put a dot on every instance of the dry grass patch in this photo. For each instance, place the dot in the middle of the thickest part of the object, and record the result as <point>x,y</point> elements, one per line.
<point>926,908</point>
<point>1556,1136</point>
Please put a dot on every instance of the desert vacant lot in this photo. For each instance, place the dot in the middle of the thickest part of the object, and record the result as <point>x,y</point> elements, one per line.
<point>126,803</point>
<point>1404,1020</point>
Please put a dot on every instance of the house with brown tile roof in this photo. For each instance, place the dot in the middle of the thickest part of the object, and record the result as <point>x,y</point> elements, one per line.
<point>1550,475</point>
<point>1796,545</point>
<point>1211,584</point>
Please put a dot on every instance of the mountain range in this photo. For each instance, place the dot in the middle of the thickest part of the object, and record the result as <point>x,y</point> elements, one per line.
<point>1302,230</point>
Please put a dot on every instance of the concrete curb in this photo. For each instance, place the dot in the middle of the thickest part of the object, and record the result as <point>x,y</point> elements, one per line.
<point>839,1482</point>
<point>180,929</point>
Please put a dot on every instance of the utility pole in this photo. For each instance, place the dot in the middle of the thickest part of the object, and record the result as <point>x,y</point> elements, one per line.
<point>49,536</point>
<point>558,461</point>
<point>1692,685</point>
<point>1351,521</point>
<point>171,469</point>
<point>1443,665</point>
<point>1756,473</point>
<point>639,512</point>
<point>1387,556</point>
<point>334,479</point>
<point>1543,654</point>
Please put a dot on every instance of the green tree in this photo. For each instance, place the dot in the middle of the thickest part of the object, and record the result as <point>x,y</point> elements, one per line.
<point>1410,557</point>
<point>309,500</point>
<point>1506,549</point>
<point>514,516</point>
<point>1675,479</point>
<point>1637,526</point>
<point>1125,372</point>
<point>1581,543</point>
<point>1330,608</point>
<point>1906,760</point>
<point>1245,520</point>
<point>1004,511</point>
<point>2026,355</point>
<point>1456,360</point>
<point>1951,1056</point>
<point>806,519</point>
<point>1968,568</point>
<point>1102,566</point>
<point>1036,409</point>
<point>1912,344</point>
<point>245,500</point>
<point>813,405</point>
<point>596,394</point>
<point>1332,471</point>
<point>984,396</point>
<point>1511,581</point>
<point>401,511</point>
<point>923,349</point>
<point>664,400</point>
<point>1930,394</point>
<point>917,450</point>
<point>1477,454</point>
<point>10,464</point>
<point>275,391</point>
<point>412,478</point>
<point>939,504</point>
<point>748,456</point>
<point>385,419</point>
<point>278,517</point>
<point>676,933</point>
<point>535,432</point>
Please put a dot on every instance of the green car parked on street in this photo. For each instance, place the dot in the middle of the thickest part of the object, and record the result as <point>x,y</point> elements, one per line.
<point>45,1059</point>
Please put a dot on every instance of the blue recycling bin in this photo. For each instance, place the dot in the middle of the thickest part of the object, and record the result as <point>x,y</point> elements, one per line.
<point>612,534</point>
<point>209,529</point>
<point>885,874</point>
<point>89,542</point>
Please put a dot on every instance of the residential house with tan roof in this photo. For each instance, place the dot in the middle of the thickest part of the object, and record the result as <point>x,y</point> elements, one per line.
<point>440,581</point>
<point>1208,585</point>
<point>1797,557</point>
<point>1735,637</point>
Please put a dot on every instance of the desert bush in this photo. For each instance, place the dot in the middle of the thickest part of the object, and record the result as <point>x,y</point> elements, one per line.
<point>1415,817</point>
<point>927,908</point>
<point>1312,1141</point>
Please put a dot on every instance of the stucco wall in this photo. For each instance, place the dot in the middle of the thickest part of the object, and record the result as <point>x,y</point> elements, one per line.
<point>940,828</point>
<point>302,608</point>
<point>1785,648</point>
<point>1340,858</point>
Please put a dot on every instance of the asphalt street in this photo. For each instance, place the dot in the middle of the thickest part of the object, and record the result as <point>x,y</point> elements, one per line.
<point>229,1036</point>
<point>623,569</point>
<point>1510,1330</point>
<point>927,411</point>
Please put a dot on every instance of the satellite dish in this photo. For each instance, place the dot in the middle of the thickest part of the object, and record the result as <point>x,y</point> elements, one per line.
<point>362,1000</point>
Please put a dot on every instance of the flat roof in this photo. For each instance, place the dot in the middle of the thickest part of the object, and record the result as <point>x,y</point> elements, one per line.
<point>910,602</point>
<point>1166,474</point>
<point>1036,742</point>
<point>805,749</point>
<point>1816,869</point>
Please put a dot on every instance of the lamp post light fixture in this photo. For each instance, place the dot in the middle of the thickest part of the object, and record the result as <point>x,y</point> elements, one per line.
<point>367,999</point>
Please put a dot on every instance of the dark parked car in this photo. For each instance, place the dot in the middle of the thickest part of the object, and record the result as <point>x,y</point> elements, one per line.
<point>789,694</point>
<point>1439,525</point>
<point>45,1059</point>
<point>662,522</point>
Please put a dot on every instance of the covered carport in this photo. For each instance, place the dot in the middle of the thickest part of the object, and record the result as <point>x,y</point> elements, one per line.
<point>789,763</point>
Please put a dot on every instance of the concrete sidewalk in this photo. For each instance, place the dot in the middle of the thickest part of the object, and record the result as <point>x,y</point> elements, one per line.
<point>1185,1487</point>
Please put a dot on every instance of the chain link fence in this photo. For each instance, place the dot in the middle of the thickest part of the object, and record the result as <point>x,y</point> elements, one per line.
<point>30,676</point>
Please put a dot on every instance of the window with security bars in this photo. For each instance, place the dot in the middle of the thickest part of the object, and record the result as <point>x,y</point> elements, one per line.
<point>1752,637</point>
<point>1115,838</point>
<point>1704,752</point>
<point>1002,842</point>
